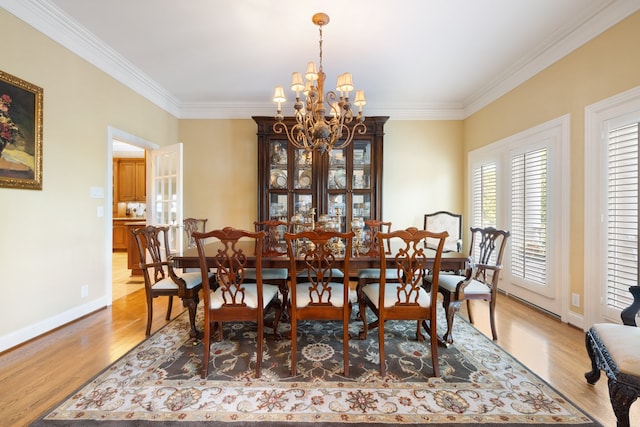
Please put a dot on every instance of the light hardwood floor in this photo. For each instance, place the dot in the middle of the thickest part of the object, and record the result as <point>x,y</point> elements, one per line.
<point>38,374</point>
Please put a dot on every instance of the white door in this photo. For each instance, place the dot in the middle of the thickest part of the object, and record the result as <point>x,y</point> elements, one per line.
<point>164,191</point>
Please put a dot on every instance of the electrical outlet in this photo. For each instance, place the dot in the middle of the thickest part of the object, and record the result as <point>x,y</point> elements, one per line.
<point>84,291</point>
<point>575,300</point>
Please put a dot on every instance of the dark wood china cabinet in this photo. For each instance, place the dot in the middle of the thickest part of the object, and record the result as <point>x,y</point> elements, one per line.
<point>345,182</point>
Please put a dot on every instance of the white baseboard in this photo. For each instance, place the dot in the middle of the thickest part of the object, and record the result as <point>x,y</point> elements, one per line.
<point>575,319</point>
<point>32,331</point>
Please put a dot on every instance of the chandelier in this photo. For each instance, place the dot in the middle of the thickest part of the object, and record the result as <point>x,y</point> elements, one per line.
<point>313,128</point>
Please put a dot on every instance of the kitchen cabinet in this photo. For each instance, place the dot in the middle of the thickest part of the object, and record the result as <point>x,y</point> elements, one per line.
<point>130,181</point>
<point>120,239</point>
<point>343,183</point>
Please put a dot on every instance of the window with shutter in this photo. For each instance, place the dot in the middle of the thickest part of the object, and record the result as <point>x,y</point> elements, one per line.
<point>611,163</point>
<point>529,216</point>
<point>622,215</point>
<point>522,184</point>
<point>485,192</point>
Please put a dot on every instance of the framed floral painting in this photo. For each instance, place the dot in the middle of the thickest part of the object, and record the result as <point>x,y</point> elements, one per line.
<point>20,133</point>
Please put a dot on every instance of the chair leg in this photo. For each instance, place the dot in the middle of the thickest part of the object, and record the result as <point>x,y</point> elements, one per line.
<point>259,350</point>
<point>149,314</point>
<point>363,316</point>
<point>381,346</point>
<point>345,341</point>
<point>451,309</point>
<point>469,311</point>
<point>206,349</point>
<point>169,308</point>
<point>621,398</point>
<point>492,318</point>
<point>294,341</point>
<point>276,320</point>
<point>284,290</point>
<point>192,305</point>
<point>434,348</point>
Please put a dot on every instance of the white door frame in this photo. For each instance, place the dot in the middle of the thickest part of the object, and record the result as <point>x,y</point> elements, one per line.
<point>114,133</point>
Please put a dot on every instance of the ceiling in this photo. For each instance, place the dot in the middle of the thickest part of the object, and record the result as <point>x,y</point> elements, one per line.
<point>415,59</point>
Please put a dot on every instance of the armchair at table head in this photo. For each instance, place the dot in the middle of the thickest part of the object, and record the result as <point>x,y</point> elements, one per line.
<point>233,298</point>
<point>160,279</point>
<point>445,221</point>
<point>317,293</point>
<point>481,278</point>
<point>405,298</point>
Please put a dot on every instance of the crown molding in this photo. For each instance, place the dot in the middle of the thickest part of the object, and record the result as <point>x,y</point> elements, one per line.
<point>556,47</point>
<point>44,16</point>
<point>47,18</point>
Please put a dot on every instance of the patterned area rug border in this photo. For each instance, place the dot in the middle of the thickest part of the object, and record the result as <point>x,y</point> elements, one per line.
<point>139,390</point>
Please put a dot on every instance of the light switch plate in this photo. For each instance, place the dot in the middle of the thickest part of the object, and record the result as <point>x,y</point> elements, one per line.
<point>96,192</point>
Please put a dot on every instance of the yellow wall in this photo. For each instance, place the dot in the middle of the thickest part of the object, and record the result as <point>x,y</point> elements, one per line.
<point>422,172</point>
<point>607,65</point>
<point>52,241</point>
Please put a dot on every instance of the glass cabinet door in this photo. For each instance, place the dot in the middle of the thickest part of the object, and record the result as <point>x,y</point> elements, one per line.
<point>341,184</point>
<point>278,198</point>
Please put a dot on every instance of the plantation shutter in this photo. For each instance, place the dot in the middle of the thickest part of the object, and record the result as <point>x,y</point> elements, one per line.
<point>529,216</point>
<point>622,215</point>
<point>485,192</point>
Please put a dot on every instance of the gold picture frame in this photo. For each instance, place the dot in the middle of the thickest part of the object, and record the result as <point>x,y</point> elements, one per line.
<point>20,133</point>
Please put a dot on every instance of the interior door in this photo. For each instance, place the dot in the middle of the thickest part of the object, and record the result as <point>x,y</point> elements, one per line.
<point>164,192</point>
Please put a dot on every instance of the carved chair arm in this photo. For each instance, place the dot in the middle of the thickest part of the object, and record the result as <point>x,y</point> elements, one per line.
<point>628,315</point>
<point>470,274</point>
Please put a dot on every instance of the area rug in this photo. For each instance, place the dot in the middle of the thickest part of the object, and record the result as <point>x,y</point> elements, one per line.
<point>158,383</point>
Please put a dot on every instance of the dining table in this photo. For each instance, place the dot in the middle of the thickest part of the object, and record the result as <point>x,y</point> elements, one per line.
<point>450,261</point>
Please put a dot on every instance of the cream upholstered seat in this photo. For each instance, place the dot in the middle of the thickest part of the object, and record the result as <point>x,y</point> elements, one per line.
<point>316,292</point>
<point>480,280</point>
<point>614,349</point>
<point>405,299</point>
<point>233,299</point>
<point>160,279</point>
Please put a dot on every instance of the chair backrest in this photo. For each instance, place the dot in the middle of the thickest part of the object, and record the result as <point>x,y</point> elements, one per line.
<point>191,225</point>
<point>410,264</point>
<point>153,248</point>
<point>445,221</point>
<point>487,249</point>
<point>274,244</point>
<point>230,263</point>
<point>320,253</point>
<point>373,227</point>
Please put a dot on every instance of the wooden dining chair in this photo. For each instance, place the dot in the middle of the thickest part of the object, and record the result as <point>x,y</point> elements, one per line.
<point>405,298</point>
<point>193,224</point>
<point>232,298</point>
<point>160,279</point>
<point>370,275</point>
<point>480,281</point>
<point>273,246</point>
<point>316,294</point>
<point>440,221</point>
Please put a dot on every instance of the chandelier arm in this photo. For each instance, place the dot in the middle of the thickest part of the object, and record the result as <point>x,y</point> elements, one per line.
<point>359,128</point>
<point>280,127</point>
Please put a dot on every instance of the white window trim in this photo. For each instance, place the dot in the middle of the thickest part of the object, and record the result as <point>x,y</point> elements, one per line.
<point>596,115</point>
<point>560,175</point>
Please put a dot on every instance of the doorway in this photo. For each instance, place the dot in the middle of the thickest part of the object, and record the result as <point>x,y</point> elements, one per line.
<point>128,165</point>
<point>121,145</point>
